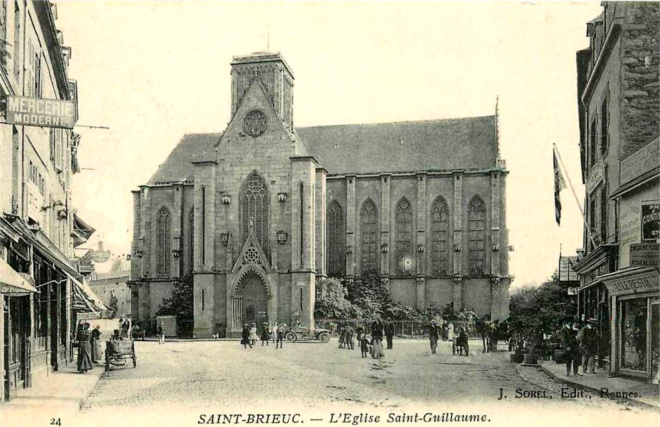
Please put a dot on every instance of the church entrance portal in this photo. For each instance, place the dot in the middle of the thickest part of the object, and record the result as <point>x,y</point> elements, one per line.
<point>254,301</point>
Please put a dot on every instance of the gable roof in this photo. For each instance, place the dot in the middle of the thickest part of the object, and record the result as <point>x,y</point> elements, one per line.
<point>468,143</point>
<point>178,165</point>
<point>449,144</point>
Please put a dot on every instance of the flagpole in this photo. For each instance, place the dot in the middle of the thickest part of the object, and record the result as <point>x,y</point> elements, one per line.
<point>577,201</point>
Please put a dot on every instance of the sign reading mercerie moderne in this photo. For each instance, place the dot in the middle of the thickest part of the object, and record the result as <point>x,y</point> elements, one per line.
<point>26,111</point>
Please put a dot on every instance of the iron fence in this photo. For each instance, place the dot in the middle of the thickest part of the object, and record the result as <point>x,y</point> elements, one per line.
<point>402,328</point>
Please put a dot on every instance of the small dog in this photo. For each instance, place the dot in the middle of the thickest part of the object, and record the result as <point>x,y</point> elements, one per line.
<point>364,347</point>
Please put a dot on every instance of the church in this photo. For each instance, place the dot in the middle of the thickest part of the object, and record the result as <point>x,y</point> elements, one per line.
<point>254,215</point>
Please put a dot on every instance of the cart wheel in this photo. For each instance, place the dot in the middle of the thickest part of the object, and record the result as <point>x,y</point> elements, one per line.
<point>453,349</point>
<point>291,336</point>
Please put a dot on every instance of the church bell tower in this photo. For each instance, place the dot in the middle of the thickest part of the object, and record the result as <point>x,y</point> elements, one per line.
<point>274,75</point>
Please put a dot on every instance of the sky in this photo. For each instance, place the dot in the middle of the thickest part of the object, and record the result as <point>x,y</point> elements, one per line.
<point>154,71</point>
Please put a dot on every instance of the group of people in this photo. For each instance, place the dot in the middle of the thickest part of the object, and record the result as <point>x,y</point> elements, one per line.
<point>368,346</point>
<point>581,346</point>
<point>446,331</point>
<point>274,333</point>
<point>89,346</point>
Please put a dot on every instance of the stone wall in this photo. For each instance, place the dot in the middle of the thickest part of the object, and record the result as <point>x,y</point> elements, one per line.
<point>640,59</point>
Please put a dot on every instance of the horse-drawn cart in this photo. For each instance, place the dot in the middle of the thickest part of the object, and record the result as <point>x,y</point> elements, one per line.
<point>118,352</point>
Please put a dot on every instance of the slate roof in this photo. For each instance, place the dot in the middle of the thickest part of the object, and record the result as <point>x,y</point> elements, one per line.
<point>468,143</point>
<point>443,145</point>
<point>178,165</point>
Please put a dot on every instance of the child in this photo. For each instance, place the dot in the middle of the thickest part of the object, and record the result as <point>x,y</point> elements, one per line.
<point>265,334</point>
<point>364,346</point>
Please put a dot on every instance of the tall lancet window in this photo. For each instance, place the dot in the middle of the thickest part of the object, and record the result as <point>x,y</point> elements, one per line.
<point>404,238</point>
<point>254,205</point>
<point>368,227</point>
<point>191,239</point>
<point>477,237</point>
<point>440,237</point>
<point>164,241</point>
<point>336,233</point>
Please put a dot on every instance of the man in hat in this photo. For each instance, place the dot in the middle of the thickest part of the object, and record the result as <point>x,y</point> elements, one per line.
<point>389,332</point>
<point>570,344</point>
<point>433,335</point>
<point>588,341</point>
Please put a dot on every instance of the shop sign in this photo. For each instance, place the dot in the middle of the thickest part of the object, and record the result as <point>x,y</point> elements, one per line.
<point>596,176</point>
<point>643,160</point>
<point>651,222</point>
<point>573,291</point>
<point>54,113</point>
<point>634,284</point>
<point>629,228</point>
<point>87,316</point>
<point>645,254</point>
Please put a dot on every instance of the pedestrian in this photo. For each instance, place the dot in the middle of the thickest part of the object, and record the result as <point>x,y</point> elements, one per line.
<point>433,336</point>
<point>348,337</point>
<point>377,339</point>
<point>342,335</point>
<point>265,334</point>
<point>253,334</point>
<point>358,333</point>
<point>281,330</point>
<point>389,333</point>
<point>588,341</point>
<point>462,342</point>
<point>444,330</point>
<point>124,328</point>
<point>364,345</point>
<point>160,332</point>
<point>450,333</point>
<point>273,332</point>
<point>484,327</point>
<point>570,344</point>
<point>96,344</point>
<point>245,336</point>
<point>84,349</point>
<point>495,334</point>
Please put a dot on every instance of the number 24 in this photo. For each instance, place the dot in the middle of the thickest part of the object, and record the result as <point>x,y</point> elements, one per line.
<point>56,421</point>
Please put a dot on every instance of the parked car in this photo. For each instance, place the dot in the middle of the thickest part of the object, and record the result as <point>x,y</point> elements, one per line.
<point>301,333</point>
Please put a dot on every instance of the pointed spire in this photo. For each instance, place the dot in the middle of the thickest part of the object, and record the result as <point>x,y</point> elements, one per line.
<point>497,126</point>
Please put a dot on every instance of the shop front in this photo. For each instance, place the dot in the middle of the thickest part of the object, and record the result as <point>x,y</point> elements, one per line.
<point>635,312</point>
<point>15,291</point>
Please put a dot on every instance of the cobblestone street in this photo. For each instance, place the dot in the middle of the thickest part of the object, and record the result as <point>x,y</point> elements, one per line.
<point>315,380</point>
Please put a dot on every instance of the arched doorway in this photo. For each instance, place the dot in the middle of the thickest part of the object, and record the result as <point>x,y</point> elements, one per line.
<point>252,292</point>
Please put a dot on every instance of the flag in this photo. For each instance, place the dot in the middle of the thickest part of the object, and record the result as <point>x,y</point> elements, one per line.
<point>559,185</point>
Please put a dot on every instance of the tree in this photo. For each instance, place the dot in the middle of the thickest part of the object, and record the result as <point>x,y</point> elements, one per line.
<point>181,302</point>
<point>331,302</point>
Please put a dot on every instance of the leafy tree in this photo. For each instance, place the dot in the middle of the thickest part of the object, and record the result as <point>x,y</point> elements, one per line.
<point>331,302</point>
<point>180,303</point>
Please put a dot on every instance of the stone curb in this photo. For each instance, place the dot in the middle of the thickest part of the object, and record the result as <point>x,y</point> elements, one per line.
<point>83,400</point>
<point>595,390</point>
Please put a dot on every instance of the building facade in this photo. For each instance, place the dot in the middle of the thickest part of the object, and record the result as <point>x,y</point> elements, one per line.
<point>255,214</point>
<point>619,104</point>
<point>113,290</point>
<point>38,228</point>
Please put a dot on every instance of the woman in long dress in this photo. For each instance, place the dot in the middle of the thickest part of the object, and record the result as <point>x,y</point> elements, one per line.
<point>245,336</point>
<point>253,334</point>
<point>84,349</point>
<point>377,340</point>
<point>96,344</point>
<point>450,333</point>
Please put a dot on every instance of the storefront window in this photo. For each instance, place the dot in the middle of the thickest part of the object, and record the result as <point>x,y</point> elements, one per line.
<point>633,334</point>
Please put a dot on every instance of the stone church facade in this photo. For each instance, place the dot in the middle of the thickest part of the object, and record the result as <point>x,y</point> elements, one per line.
<point>255,214</point>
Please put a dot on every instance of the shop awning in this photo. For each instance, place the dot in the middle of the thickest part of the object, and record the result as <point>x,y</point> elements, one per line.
<point>631,280</point>
<point>12,283</point>
<point>84,299</point>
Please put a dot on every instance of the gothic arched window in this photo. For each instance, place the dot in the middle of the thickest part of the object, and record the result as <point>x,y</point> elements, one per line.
<point>477,237</point>
<point>163,239</point>
<point>440,237</point>
<point>404,237</point>
<point>336,260</point>
<point>368,218</point>
<point>254,204</point>
<point>191,234</point>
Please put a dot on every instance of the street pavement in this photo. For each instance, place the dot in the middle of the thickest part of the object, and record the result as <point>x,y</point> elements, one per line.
<point>186,383</point>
